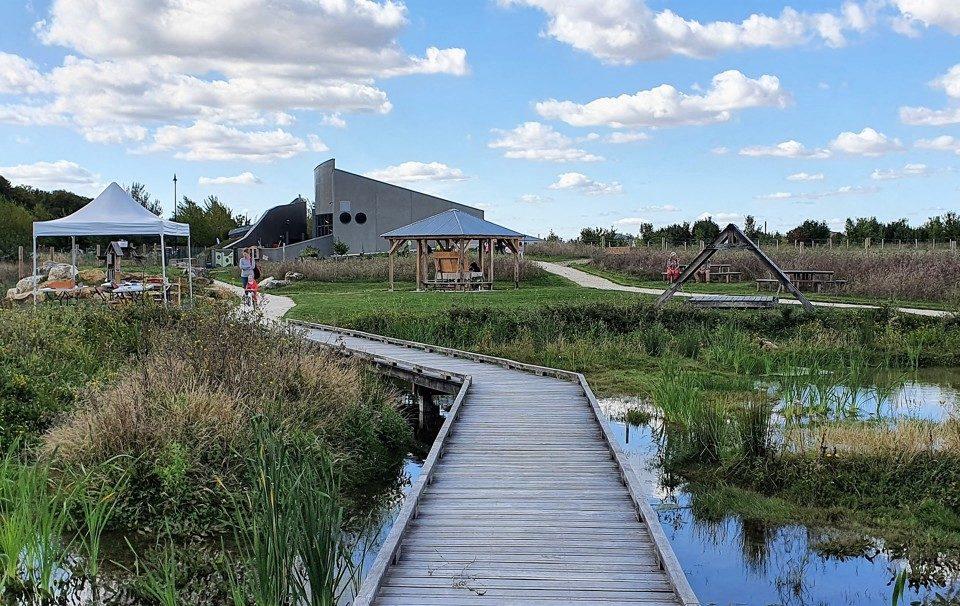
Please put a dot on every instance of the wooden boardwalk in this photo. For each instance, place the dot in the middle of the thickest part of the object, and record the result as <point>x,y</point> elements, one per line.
<point>525,497</point>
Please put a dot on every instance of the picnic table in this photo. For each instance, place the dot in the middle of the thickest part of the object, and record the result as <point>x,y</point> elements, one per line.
<point>806,279</point>
<point>715,272</point>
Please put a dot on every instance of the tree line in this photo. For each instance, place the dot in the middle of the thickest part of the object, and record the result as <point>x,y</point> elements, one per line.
<point>210,219</point>
<point>856,230</point>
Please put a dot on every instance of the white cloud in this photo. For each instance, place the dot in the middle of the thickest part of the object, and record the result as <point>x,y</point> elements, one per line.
<point>534,199</point>
<point>720,150</point>
<point>19,75</point>
<point>627,137</point>
<point>316,144</point>
<point>61,174</point>
<point>924,116</point>
<point>846,190</point>
<point>631,221</point>
<point>908,170</point>
<point>941,143</point>
<point>867,142</point>
<point>145,63</point>
<point>209,141</point>
<point>786,149</point>
<point>664,105</point>
<point>931,13</point>
<point>244,178</point>
<point>720,218</point>
<point>665,208</point>
<point>586,185</point>
<point>412,172</point>
<point>536,141</point>
<point>626,31</point>
<point>805,177</point>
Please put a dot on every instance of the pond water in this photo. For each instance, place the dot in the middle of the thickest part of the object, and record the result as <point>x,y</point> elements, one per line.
<point>931,394</point>
<point>737,563</point>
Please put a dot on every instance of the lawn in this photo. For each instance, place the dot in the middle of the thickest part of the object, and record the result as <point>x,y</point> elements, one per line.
<point>342,303</point>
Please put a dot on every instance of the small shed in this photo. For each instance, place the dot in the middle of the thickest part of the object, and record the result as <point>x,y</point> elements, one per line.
<point>447,239</point>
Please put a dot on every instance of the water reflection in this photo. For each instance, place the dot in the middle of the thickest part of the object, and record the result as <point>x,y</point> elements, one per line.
<point>730,561</point>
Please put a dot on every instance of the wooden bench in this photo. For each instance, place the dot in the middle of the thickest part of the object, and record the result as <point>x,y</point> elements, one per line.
<point>726,276</point>
<point>733,302</point>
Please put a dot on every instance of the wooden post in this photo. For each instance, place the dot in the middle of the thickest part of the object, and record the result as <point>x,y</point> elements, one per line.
<point>419,263</point>
<point>393,245</point>
<point>19,262</point>
<point>516,263</point>
<point>493,243</point>
<point>50,250</point>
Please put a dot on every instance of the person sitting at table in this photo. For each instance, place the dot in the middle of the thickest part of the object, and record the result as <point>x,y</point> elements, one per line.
<point>673,268</point>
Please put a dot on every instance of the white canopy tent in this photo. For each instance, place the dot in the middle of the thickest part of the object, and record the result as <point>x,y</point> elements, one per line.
<point>113,213</point>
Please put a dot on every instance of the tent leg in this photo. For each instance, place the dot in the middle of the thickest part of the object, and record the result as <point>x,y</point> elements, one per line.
<point>73,251</point>
<point>163,268</point>
<point>34,277</point>
<point>190,268</point>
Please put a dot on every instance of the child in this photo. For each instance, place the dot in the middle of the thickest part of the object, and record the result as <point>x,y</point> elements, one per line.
<point>250,292</point>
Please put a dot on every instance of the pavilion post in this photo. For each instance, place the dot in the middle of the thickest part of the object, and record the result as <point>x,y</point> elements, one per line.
<point>190,268</point>
<point>419,262</point>
<point>392,246</point>
<point>493,243</point>
<point>73,252</point>
<point>516,263</point>
<point>163,268</point>
<point>34,275</point>
<point>462,251</point>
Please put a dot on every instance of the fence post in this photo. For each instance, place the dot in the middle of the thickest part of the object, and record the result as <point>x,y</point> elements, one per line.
<point>663,243</point>
<point>19,262</point>
<point>916,243</point>
<point>934,244</point>
<point>881,243</point>
<point>866,243</point>
<point>953,246</point>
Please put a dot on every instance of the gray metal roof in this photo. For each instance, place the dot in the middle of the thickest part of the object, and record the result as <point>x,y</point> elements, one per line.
<point>452,224</point>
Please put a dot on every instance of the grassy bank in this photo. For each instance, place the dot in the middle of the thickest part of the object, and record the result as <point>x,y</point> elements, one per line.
<point>182,426</point>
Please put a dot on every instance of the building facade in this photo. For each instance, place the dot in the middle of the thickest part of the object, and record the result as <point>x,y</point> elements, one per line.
<point>355,209</point>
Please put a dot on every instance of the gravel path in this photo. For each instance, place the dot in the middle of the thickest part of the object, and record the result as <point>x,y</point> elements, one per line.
<point>587,280</point>
<point>273,307</point>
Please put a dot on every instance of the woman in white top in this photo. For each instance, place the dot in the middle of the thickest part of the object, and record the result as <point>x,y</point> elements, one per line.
<point>247,267</point>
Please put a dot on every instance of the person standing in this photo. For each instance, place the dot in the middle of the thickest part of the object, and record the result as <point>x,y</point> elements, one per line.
<point>247,268</point>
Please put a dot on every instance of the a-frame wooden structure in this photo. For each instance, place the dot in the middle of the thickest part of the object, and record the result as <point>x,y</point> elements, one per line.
<point>732,238</point>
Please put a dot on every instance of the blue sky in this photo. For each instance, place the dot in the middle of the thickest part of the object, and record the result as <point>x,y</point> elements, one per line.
<point>549,114</point>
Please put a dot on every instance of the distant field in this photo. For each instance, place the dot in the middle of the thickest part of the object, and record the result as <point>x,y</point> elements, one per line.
<point>749,288</point>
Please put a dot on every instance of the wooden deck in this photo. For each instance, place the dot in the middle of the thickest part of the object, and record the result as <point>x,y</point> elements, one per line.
<point>525,498</point>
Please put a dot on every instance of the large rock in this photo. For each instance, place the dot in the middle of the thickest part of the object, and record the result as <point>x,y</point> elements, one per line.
<point>219,293</point>
<point>92,276</point>
<point>61,271</point>
<point>293,276</point>
<point>27,284</point>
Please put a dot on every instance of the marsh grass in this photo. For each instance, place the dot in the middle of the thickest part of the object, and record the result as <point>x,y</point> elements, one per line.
<point>33,518</point>
<point>290,529</point>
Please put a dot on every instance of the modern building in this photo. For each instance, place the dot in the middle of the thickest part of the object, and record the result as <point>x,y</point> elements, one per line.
<point>355,209</point>
<point>281,225</point>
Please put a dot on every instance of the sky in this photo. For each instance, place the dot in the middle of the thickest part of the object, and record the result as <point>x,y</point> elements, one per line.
<point>548,114</point>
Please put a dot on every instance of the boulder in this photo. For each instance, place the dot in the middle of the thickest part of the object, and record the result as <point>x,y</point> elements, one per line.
<point>26,284</point>
<point>293,276</point>
<point>61,271</point>
<point>92,276</point>
<point>273,283</point>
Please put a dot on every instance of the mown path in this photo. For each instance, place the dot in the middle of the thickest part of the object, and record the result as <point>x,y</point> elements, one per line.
<point>273,307</point>
<point>587,280</point>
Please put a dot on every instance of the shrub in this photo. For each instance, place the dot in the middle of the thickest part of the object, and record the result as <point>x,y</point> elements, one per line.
<point>180,417</point>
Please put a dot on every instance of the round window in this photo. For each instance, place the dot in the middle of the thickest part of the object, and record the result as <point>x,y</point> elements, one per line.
<point>344,218</point>
<point>361,218</point>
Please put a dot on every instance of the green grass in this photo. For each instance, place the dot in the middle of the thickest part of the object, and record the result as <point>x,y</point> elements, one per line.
<point>749,288</point>
<point>341,303</point>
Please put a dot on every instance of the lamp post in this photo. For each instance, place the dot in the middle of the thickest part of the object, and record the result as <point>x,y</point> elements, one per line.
<point>174,194</point>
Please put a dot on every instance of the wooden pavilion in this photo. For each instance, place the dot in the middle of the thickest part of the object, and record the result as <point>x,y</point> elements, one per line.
<point>447,239</point>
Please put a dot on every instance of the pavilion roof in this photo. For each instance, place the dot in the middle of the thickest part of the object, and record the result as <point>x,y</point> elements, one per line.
<point>452,224</point>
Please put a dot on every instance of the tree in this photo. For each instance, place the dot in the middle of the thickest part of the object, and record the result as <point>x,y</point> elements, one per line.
<point>705,230</point>
<point>16,228</point>
<point>138,191</point>
<point>209,223</point>
<point>340,247</point>
<point>809,230</point>
<point>553,237</point>
<point>750,228</point>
